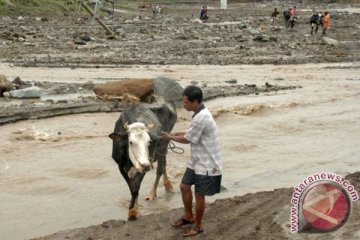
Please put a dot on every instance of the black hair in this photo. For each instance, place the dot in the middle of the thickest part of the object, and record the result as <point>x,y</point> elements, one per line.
<point>193,93</point>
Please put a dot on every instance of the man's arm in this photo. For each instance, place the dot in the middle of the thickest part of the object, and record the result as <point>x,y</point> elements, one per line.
<point>177,137</point>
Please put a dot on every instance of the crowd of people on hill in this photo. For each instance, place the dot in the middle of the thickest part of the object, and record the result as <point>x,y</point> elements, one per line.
<point>316,20</point>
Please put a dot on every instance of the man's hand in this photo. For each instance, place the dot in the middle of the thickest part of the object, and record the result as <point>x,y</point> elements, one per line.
<point>178,134</point>
<point>177,137</point>
<point>165,136</point>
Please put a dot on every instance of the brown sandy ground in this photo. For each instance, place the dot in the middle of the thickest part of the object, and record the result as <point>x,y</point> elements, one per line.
<point>261,215</point>
<point>241,34</point>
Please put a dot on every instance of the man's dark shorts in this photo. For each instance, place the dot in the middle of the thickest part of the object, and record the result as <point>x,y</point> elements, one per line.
<point>204,184</point>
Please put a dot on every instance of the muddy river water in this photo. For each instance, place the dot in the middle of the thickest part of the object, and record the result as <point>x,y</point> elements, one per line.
<point>58,173</point>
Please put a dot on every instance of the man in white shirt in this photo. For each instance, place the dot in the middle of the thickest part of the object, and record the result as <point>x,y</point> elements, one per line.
<point>204,168</point>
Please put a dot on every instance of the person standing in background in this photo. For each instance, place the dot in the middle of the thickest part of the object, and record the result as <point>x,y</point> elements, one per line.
<point>326,23</point>
<point>274,16</point>
<point>203,13</point>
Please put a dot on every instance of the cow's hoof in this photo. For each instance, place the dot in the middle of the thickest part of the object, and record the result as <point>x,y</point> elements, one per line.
<point>132,218</point>
<point>133,213</point>
<point>150,197</point>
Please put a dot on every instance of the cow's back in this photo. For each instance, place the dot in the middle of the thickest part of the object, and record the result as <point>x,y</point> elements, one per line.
<point>166,115</point>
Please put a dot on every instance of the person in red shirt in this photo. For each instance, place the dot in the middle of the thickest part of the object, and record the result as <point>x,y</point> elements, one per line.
<point>292,12</point>
<point>326,23</point>
<point>290,17</point>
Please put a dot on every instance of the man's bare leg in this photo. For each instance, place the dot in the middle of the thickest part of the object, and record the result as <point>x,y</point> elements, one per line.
<point>187,200</point>
<point>199,209</point>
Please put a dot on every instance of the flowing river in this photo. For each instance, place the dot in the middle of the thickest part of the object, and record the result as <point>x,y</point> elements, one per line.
<point>57,173</point>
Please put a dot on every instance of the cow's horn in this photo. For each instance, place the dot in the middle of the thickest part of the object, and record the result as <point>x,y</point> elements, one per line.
<point>126,126</point>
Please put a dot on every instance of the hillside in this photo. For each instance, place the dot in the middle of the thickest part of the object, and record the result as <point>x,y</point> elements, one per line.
<point>241,34</point>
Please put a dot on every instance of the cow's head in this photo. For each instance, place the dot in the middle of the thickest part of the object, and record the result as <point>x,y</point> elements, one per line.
<point>138,144</point>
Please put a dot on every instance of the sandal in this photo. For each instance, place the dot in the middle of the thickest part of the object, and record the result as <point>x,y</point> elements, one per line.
<point>193,232</point>
<point>181,222</point>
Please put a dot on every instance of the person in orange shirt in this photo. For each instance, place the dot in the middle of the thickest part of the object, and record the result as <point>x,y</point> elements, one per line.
<point>326,23</point>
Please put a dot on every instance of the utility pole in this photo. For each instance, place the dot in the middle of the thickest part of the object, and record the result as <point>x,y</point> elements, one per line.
<point>107,29</point>
<point>223,4</point>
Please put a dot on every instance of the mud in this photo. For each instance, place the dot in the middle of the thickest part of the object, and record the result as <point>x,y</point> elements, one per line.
<point>241,34</point>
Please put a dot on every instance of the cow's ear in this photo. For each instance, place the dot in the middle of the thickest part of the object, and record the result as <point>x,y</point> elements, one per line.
<point>119,136</point>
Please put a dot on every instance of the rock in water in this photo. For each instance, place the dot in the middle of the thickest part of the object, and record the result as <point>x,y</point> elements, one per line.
<point>30,92</point>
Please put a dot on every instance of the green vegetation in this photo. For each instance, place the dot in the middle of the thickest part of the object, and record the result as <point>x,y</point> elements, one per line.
<point>47,7</point>
<point>31,7</point>
<point>41,7</point>
<point>59,7</point>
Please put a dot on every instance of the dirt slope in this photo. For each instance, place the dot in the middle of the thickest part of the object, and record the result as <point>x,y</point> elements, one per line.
<point>262,215</point>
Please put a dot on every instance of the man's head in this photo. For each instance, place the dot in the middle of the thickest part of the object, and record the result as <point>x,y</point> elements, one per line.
<point>192,98</point>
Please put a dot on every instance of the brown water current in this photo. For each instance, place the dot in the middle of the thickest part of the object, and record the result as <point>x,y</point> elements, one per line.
<point>58,173</point>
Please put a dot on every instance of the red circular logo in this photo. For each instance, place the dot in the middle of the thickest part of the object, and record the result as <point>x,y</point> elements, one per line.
<point>326,207</point>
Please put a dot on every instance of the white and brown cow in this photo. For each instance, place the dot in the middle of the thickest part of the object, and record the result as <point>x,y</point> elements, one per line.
<point>136,144</point>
